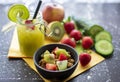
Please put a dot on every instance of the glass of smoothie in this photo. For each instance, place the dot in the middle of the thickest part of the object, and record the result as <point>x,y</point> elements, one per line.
<point>31,28</point>
<point>30,36</point>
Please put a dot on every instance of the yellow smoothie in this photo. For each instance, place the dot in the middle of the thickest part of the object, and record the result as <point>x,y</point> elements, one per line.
<point>29,39</point>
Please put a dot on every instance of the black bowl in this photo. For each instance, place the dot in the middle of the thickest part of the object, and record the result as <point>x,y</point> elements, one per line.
<point>48,74</point>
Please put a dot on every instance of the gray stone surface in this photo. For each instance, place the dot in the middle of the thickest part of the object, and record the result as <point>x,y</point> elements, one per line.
<point>107,15</point>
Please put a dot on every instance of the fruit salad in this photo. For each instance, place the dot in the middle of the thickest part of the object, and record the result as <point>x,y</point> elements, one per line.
<point>56,60</point>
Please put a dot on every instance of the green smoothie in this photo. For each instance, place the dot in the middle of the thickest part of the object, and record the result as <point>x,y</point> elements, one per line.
<point>29,39</point>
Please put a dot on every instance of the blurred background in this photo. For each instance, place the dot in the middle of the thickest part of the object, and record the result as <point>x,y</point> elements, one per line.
<point>61,1</point>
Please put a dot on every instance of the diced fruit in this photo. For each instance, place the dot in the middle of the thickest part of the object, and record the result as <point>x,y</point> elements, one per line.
<point>84,58</point>
<point>30,24</point>
<point>62,57</point>
<point>50,66</point>
<point>63,51</point>
<point>104,47</point>
<point>93,30</point>
<point>69,26</point>
<point>87,42</point>
<point>77,35</point>
<point>69,41</point>
<point>57,30</point>
<point>48,57</point>
<point>18,8</point>
<point>103,35</point>
<point>62,65</point>
<point>55,50</point>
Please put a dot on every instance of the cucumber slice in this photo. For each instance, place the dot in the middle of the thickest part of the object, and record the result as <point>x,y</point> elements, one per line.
<point>103,35</point>
<point>104,47</point>
<point>93,30</point>
<point>15,9</point>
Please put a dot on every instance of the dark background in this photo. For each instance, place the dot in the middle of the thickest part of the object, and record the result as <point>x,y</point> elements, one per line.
<point>104,14</point>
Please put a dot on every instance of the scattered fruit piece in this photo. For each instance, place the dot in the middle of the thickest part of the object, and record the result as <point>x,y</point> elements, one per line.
<point>53,12</point>
<point>62,65</point>
<point>69,26</point>
<point>77,35</point>
<point>104,47</point>
<point>84,58</point>
<point>69,41</point>
<point>87,42</point>
<point>50,66</point>
<point>57,30</point>
<point>62,57</point>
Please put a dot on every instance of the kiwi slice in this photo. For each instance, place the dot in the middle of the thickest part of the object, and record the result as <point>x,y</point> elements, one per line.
<point>18,8</point>
<point>57,30</point>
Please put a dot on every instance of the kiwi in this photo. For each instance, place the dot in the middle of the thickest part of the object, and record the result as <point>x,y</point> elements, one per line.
<point>57,30</point>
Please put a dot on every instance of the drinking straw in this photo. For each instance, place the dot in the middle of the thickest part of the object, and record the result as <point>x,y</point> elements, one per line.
<point>37,9</point>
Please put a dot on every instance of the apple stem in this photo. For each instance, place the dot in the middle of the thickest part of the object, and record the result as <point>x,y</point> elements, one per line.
<point>37,9</point>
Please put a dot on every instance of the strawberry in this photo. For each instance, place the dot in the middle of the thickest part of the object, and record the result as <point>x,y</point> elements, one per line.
<point>69,26</point>
<point>69,41</point>
<point>29,24</point>
<point>62,57</point>
<point>50,66</point>
<point>77,35</point>
<point>84,58</point>
<point>87,42</point>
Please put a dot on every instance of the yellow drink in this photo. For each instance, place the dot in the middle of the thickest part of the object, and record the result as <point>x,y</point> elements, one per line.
<point>29,39</point>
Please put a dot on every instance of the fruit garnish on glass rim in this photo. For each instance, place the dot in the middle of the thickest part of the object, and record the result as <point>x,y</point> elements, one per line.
<point>18,9</point>
<point>13,13</point>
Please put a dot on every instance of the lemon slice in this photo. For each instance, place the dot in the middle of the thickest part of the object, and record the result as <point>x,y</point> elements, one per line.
<point>18,8</point>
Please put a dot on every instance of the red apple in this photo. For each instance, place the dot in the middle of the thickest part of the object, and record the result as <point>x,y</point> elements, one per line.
<point>53,12</point>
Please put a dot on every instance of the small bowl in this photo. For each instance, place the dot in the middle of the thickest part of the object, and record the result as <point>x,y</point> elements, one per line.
<point>58,75</point>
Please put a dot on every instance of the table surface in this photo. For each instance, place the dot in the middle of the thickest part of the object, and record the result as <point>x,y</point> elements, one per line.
<point>104,14</point>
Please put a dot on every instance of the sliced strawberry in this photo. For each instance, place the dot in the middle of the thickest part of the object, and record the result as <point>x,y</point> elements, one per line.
<point>29,24</point>
<point>51,66</point>
<point>28,21</point>
<point>62,57</point>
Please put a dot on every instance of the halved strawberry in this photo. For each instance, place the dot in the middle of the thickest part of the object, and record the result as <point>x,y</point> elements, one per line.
<point>62,57</point>
<point>29,24</point>
<point>50,66</point>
